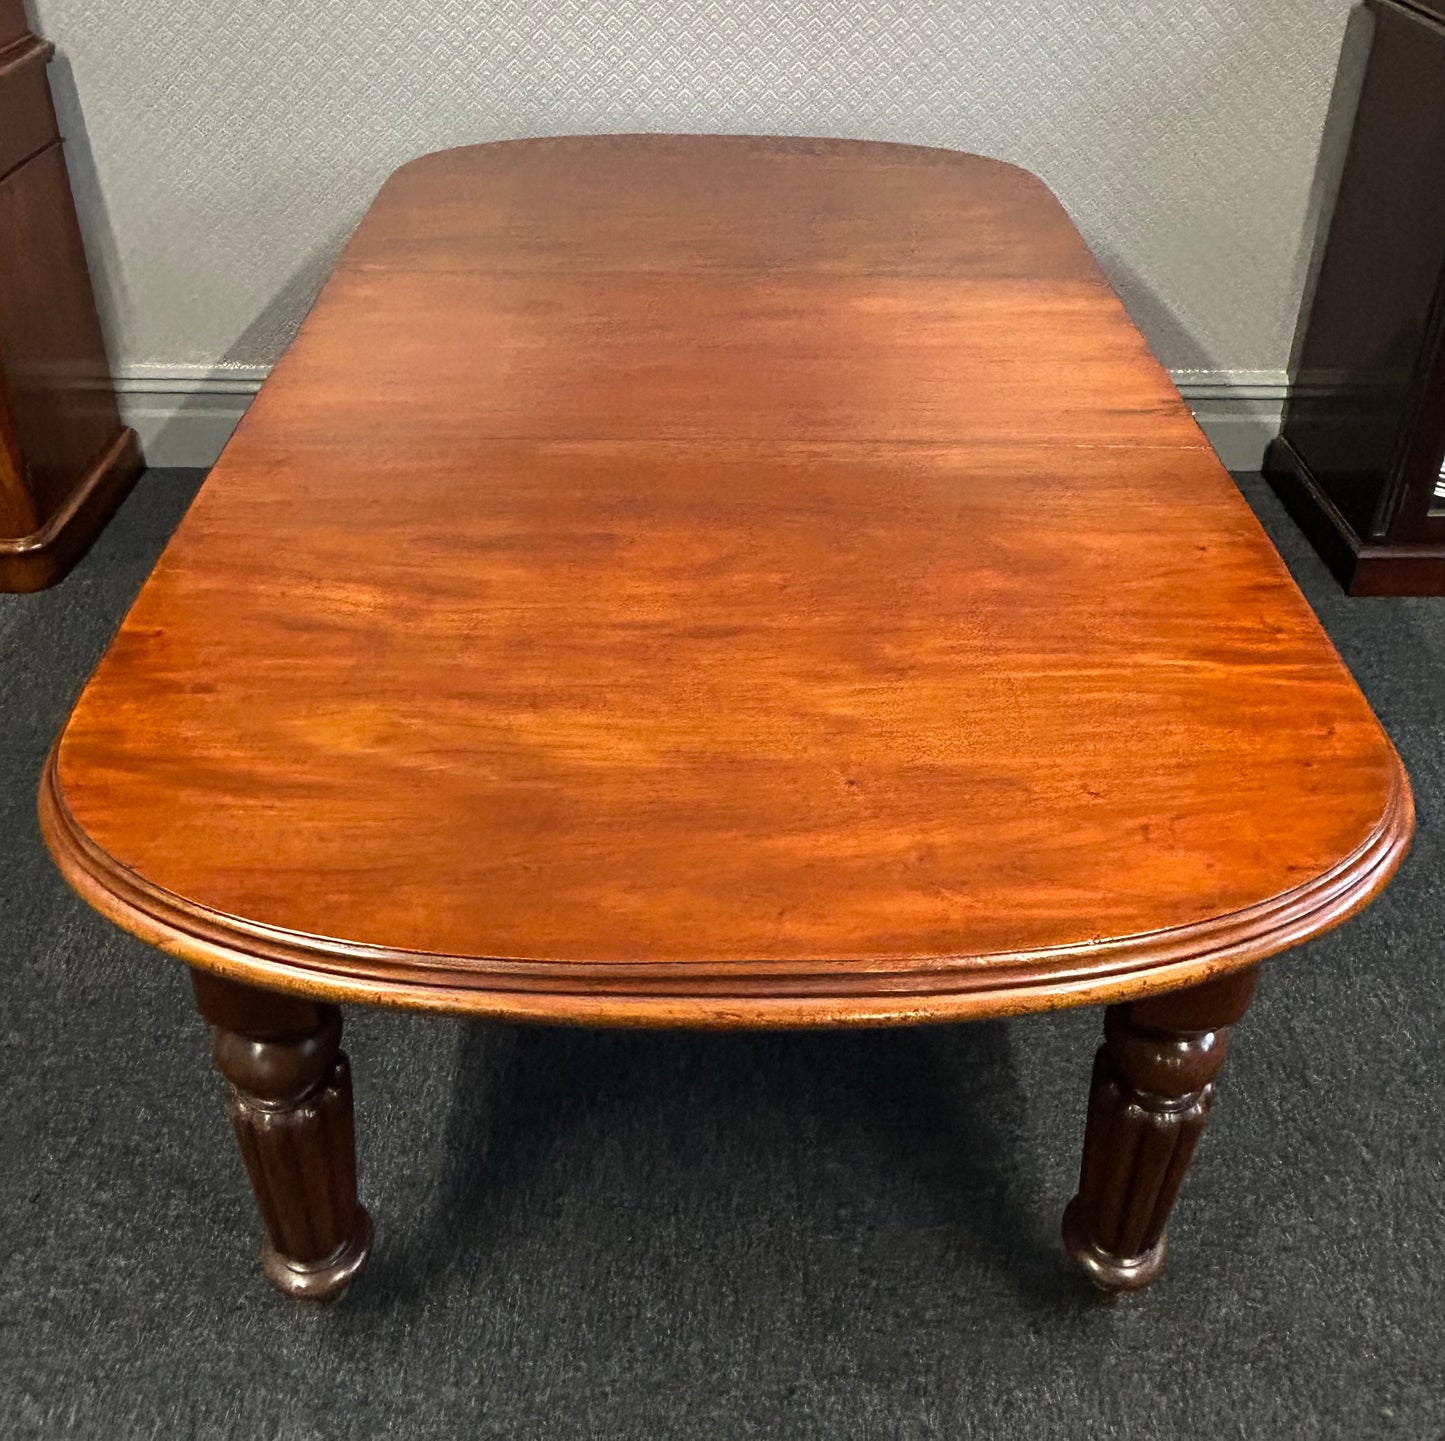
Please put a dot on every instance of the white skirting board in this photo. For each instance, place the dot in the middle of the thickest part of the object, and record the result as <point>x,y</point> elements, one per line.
<point>185,414</point>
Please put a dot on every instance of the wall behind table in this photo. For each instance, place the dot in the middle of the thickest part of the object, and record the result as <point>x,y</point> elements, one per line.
<point>222,153</point>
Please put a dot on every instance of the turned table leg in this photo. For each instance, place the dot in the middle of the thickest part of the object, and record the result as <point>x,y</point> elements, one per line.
<point>1153,1085</point>
<point>290,1102</point>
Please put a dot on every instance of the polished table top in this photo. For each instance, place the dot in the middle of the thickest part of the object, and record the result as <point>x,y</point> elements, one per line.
<point>722,581</point>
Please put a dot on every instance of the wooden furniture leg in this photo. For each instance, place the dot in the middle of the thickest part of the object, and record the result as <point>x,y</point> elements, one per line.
<point>1153,1085</point>
<point>290,1101</point>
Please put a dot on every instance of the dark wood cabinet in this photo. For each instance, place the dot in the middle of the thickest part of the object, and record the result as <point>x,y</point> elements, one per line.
<point>1360,458</point>
<point>13,24</point>
<point>66,460</point>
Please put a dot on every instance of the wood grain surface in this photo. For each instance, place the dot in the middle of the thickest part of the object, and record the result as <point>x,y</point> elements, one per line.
<point>722,581</point>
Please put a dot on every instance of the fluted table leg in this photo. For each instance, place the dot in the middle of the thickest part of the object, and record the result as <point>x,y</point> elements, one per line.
<point>1153,1085</point>
<point>290,1102</point>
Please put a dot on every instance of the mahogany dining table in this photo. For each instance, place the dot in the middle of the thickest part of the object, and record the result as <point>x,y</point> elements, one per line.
<point>720,582</point>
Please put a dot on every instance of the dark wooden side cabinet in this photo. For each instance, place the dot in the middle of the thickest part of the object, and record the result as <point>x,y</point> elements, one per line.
<point>66,461</point>
<point>1360,458</point>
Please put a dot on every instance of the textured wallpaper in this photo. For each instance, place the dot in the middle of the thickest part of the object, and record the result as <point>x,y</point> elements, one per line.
<point>222,152</point>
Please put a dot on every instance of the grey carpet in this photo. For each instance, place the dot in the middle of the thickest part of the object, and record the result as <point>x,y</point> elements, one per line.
<point>591,1234</point>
